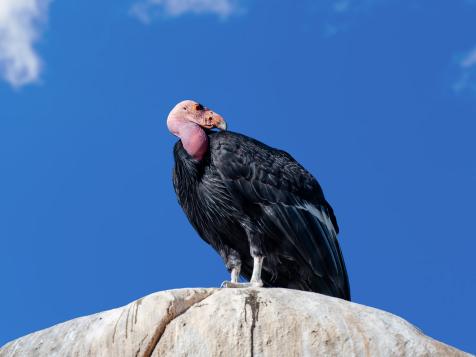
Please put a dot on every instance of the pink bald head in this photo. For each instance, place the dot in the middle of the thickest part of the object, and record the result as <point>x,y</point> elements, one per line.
<point>187,120</point>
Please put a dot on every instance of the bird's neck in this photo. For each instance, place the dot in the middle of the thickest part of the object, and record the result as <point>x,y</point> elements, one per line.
<point>193,137</point>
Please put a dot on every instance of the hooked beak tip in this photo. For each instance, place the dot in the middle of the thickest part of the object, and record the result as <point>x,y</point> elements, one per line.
<point>222,125</point>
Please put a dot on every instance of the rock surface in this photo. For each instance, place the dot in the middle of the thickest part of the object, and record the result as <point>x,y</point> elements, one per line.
<point>233,322</point>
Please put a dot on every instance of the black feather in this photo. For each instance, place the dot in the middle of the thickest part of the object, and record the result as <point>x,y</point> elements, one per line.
<point>244,188</point>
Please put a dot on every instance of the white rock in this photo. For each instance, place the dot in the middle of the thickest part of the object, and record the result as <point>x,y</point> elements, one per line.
<point>233,322</point>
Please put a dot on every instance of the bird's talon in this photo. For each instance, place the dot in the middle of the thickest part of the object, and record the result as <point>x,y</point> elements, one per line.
<point>230,284</point>
<point>257,284</point>
<point>225,284</point>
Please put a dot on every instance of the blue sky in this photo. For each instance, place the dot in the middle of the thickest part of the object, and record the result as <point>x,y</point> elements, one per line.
<point>376,98</point>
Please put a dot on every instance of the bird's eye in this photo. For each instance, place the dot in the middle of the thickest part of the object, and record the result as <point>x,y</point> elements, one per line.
<point>184,108</point>
<point>198,107</point>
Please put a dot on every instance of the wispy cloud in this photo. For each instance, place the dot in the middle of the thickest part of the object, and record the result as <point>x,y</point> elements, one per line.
<point>467,72</point>
<point>469,60</point>
<point>146,10</point>
<point>338,16</point>
<point>20,27</point>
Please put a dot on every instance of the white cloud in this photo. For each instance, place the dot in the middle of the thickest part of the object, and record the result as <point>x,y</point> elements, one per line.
<point>469,60</point>
<point>467,72</point>
<point>145,10</point>
<point>20,27</point>
<point>338,16</point>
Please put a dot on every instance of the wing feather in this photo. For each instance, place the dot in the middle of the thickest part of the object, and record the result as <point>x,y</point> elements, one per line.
<point>287,203</point>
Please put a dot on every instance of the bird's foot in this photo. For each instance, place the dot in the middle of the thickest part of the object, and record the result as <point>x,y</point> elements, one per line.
<point>251,284</point>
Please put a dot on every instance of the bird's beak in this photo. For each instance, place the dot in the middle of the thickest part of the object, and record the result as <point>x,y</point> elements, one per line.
<point>215,121</point>
<point>220,123</point>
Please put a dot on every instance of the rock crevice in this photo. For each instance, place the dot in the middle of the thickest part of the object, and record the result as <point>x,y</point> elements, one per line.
<point>173,311</point>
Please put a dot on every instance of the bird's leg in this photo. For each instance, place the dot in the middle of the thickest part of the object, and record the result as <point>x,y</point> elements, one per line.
<point>255,281</point>
<point>235,274</point>
<point>256,251</point>
<point>257,254</point>
<point>233,263</point>
<point>257,267</point>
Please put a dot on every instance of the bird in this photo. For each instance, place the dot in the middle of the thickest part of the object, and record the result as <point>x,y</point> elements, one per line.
<point>259,208</point>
